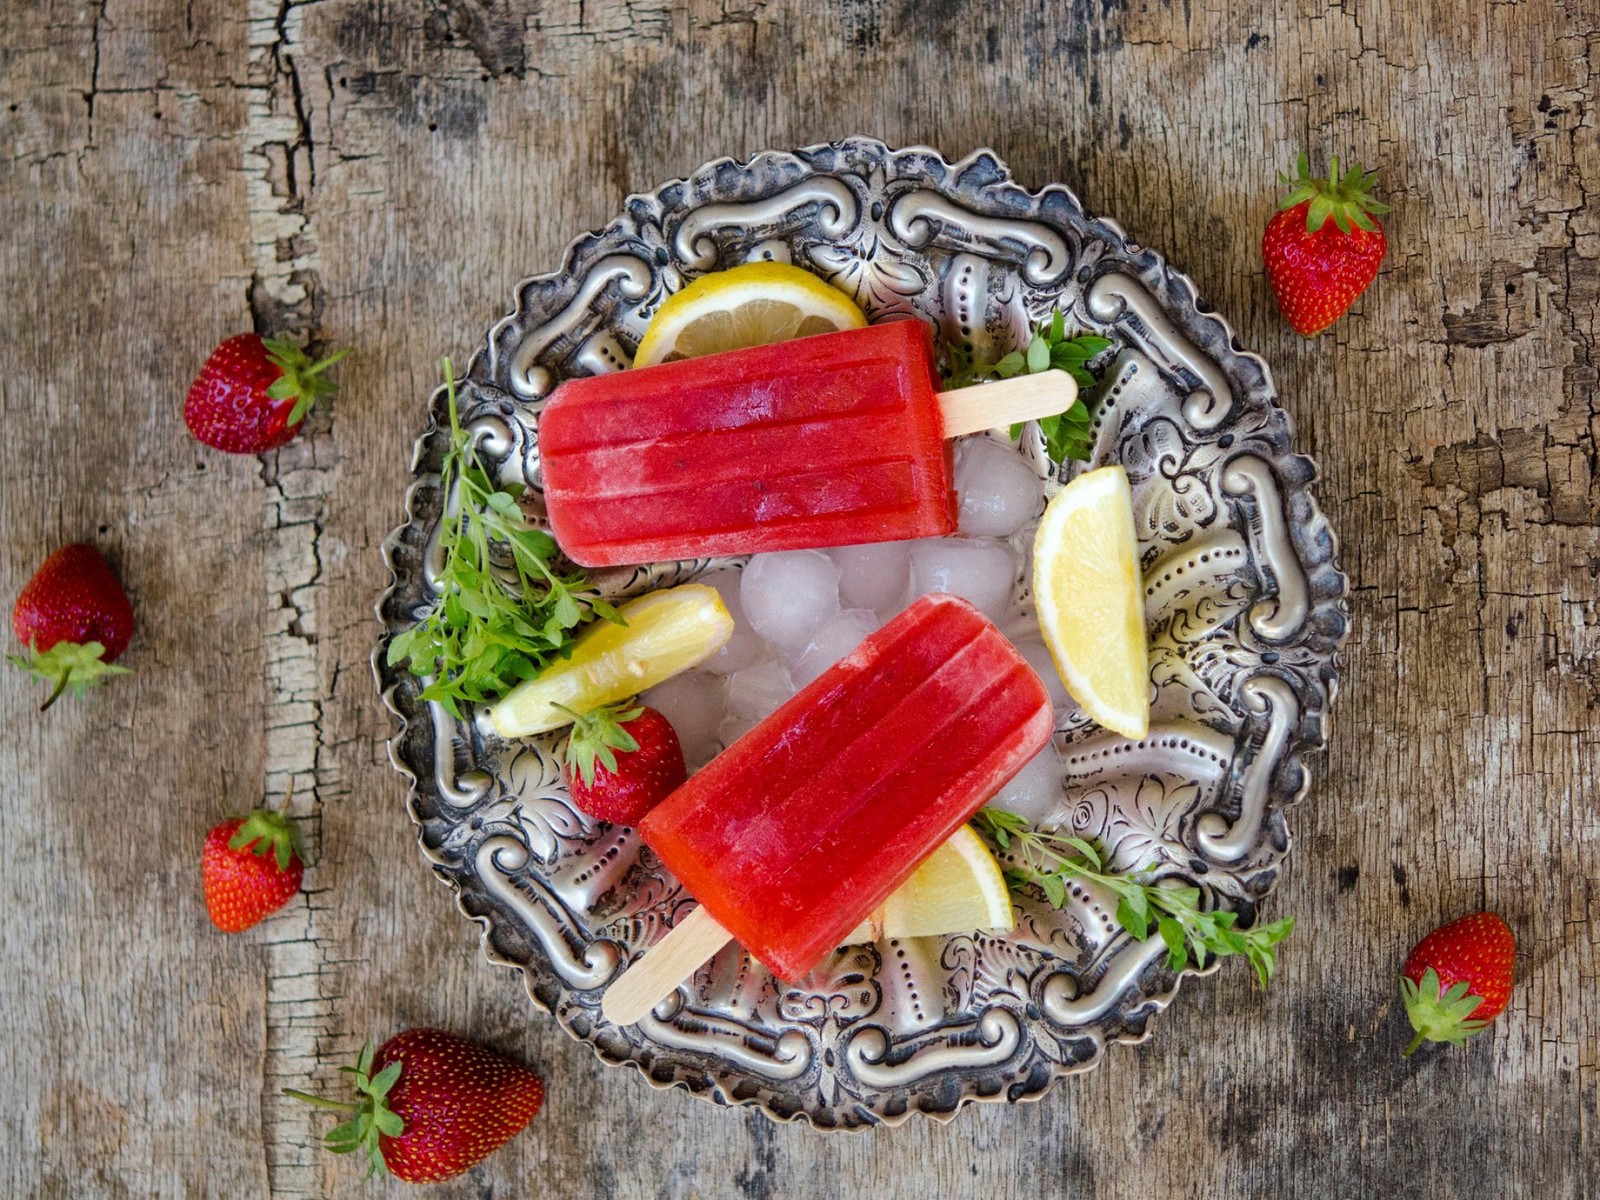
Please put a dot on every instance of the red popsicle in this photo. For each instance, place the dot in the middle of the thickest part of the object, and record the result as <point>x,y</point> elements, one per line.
<point>831,440</point>
<point>796,832</point>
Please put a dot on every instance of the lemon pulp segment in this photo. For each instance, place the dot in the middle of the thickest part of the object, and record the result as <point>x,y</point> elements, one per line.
<point>1086,584</point>
<point>751,305</point>
<point>666,632</point>
<point>958,889</point>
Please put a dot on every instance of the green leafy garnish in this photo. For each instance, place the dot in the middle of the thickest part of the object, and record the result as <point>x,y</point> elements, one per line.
<point>599,734</point>
<point>1049,861</point>
<point>503,612</point>
<point>1066,435</point>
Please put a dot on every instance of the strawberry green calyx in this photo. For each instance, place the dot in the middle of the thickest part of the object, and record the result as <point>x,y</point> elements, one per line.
<point>302,380</point>
<point>76,665</point>
<point>267,832</point>
<point>370,1116</point>
<point>1346,199</point>
<point>599,734</point>
<point>1439,1017</point>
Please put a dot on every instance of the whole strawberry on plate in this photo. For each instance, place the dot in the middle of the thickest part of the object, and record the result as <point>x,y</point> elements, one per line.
<point>250,867</point>
<point>622,762</point>
<point>1324,246</point>
<point>75,620</point>
<point>253,393</point>
<point>1458,979</point>
<point>432,1105</point>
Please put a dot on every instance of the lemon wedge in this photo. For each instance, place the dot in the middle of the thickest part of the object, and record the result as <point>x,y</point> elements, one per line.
<point>1086,584</point>
<point>751,305</point>
<point>957,889</point>
<point>666,632</point>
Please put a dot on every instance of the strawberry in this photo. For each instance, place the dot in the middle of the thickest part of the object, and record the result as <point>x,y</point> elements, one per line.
<point>252,393</point>
<point>1458,979</point>
<point>1317,269</point>
<point>250,867</point>
<point>622,790</point>
<point>75,620</point>
<point>432,1105</point>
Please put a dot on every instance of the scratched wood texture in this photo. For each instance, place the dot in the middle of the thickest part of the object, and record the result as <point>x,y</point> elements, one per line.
<point>379,176</point>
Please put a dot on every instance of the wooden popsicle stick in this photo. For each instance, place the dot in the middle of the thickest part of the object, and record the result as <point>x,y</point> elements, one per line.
<point>663,967</point>
<point>1007,402</point>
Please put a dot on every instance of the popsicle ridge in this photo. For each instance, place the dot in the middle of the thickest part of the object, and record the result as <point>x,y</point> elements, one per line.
<point>798,830</point>
<point>835,439</point>
<point>815,750</point>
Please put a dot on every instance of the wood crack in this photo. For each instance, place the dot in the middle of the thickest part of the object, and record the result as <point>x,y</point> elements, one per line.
<point>302,961</point>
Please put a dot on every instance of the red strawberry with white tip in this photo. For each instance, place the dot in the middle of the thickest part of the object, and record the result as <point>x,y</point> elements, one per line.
<point>1458,979</point>
<point>1323,248</point>
<point>621,763</point>
<point>432,1105</point>
<point>75,620</point>
<point>253,393</point>
<point>251,868</point>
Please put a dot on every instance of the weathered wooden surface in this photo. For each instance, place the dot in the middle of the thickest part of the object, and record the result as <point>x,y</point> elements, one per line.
<point>380,175</point>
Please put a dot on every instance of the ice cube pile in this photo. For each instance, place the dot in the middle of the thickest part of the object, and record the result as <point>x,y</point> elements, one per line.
<point>797,612</point>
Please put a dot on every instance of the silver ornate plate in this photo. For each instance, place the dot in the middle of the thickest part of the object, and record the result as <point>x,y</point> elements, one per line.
<point>1246,608</point>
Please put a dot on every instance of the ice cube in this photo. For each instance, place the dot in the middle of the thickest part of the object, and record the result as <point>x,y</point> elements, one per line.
<point>975,569</point>
<point>873,576</point>
<point>1035,792</point>
<point>756,691</point>
<point>832,642</point>
<point>1038,656</point>
<point>745,647</point>
<point>999,492</point>
<point>733,728</point>
<point>788,595</point>
<point>695,703</point>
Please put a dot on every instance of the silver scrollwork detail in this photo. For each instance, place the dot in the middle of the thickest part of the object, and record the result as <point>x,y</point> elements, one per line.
<point>1121,300</point>
<point>529,380</point>
<point>789,1058</point>
<point>917,217</point>
<point>1276,618</point>
<point>999,1034</point>
<point>1065,1004</point>
<point>1270,695</point>
<point>458,791</point>
<point>836,213</point>
<point>497,860</point>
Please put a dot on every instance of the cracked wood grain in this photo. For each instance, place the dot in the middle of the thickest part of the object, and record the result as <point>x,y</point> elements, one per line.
<point>279,167</point>
<point>380,176</point>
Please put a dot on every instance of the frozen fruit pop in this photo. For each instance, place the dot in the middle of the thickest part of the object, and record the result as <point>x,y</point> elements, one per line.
<point>832,440</point>
<point>796,832</point>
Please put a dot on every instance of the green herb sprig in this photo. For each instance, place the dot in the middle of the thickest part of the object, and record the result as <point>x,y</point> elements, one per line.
<point>488,630</point>
<point>1066,435</point>
<point>1050,860</point>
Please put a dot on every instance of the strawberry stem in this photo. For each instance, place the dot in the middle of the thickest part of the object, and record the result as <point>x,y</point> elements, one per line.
<point>61,686</point>
<point>322,1101</point>
<point>319,368</point>
<point>1415,1042</point>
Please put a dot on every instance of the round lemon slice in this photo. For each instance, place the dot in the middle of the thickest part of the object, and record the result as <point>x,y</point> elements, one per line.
<point>958,889</point>
<point>1086,584</point>
<point>751,305</point>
